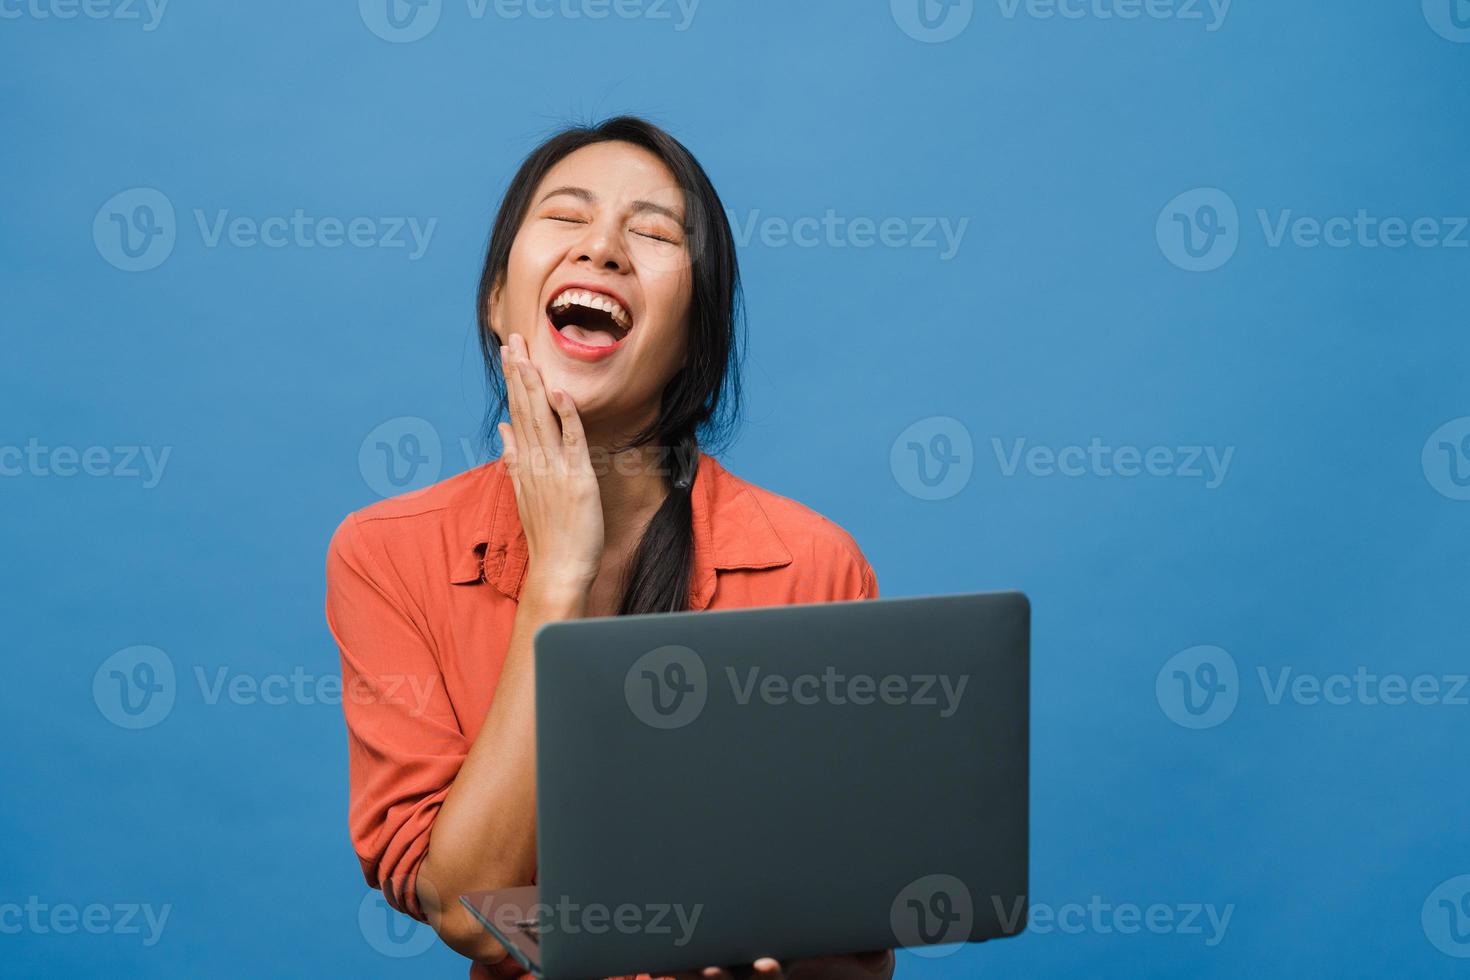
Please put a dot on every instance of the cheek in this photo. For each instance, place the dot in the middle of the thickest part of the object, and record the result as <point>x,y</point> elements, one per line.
<point>526,271</point>
<point>671,296</point>
<point>664,355</point>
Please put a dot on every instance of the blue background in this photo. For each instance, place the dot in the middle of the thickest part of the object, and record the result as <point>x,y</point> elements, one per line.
<point>1061,318</point>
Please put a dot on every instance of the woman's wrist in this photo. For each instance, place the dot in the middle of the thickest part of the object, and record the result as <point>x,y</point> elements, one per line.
<point>556,594</point>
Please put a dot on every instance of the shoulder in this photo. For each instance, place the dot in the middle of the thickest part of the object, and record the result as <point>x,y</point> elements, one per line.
<point>819,548</point>
<point>804,530</point>
<point>416,528</point>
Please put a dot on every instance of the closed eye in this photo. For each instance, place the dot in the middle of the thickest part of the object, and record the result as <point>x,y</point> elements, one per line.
<point>645,234</point>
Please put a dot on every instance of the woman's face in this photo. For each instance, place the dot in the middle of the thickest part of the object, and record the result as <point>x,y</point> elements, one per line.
<point>598,282</point>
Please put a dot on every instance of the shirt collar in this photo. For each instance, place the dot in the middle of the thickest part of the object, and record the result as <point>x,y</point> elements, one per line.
<point>731,531</point>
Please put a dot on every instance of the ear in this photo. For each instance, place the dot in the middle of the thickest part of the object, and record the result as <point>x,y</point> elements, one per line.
<point>492,312</point>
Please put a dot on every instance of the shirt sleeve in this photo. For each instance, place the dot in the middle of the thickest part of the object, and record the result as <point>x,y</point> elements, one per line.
<point>867,580</point>
<point>404,743</point>
<point>850,574</point>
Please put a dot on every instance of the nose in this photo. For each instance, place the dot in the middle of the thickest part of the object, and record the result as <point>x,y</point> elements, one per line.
<point>602,247</point>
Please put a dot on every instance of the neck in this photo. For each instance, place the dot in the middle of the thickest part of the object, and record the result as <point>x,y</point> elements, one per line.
<point>632,486</point>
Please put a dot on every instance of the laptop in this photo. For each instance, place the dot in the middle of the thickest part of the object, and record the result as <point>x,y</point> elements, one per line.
<point>801,780</point>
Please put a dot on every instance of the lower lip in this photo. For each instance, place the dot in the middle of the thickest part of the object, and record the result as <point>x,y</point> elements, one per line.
<point>582,352</point>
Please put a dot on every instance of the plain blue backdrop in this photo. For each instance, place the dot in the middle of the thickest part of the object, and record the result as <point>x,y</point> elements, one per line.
<point>1124,183</point>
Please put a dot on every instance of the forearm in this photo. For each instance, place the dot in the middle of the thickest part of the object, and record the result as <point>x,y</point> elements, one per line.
<point>484,836</point>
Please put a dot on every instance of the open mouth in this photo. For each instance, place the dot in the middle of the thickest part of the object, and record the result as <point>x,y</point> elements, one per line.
<point>589,318</point>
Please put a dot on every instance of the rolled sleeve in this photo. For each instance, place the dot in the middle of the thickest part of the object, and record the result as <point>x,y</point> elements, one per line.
<point>858,580</point>
<point>847,571</point>
<point>405,744</point>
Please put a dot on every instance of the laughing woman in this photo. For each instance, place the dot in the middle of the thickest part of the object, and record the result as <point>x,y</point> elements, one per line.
<point>607,315</point>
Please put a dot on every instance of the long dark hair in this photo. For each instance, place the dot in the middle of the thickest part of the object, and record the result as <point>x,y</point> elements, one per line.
<point>701,402</point>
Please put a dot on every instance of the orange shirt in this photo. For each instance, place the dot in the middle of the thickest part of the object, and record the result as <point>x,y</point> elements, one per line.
<point>421,597</point>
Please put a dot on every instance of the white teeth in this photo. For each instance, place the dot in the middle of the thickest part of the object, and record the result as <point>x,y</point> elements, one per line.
<point>593,301</point>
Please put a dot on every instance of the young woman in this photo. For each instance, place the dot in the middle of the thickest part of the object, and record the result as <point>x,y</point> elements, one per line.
<point>607,311</point>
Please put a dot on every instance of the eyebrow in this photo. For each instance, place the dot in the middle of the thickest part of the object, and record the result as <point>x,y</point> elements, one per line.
<point>583,194</point>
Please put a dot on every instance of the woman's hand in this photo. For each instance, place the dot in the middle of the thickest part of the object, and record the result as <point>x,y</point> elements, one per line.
<point>853,966</point>
<point>556,489</point>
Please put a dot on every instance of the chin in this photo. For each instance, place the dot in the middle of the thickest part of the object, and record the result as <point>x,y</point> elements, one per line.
<point>590,396</point>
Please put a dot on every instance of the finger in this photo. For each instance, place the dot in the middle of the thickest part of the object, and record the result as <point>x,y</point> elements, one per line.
<point>507,445</point>
<point>573,437</point>
<point>516,390</point>
<point>507,370</point>
<point>510,456</point>
<point>545,428</point>
<point>767,968</point>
